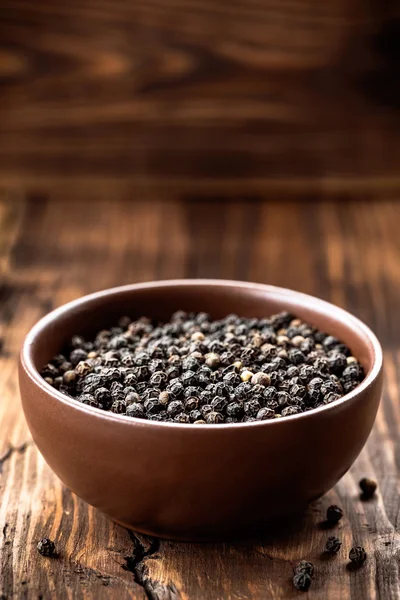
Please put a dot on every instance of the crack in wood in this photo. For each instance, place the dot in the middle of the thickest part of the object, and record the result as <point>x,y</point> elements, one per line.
<point>145,547</point>
<point>10,451</point>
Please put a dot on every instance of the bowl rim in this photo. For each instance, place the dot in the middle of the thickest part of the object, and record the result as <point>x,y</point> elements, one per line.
<point>26,360</point>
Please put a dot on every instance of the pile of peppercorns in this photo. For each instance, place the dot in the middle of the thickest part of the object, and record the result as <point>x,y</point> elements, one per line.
<point>197,370</point>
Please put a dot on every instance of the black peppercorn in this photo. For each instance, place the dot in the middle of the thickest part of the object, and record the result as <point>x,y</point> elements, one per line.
<point>219,403</point>
<point>316,383</point>
<point>205,409</point>
<point>333,545</point>
<point>182,418</point>
<point>270,393</point>
<point>142,373</point>
<point>243,391</point>
<point>110,374</point>
<point>135,410</point>
<point>191,391</point>
<point>158,379</point>
<point>152,406</point>
<point>291,410</point>
<point>46,547</point>
<point>357,555</point>
<point>173,372</point>
<point>342,349</point>
<point>234,409</point>
<point>257,390</point>
<point>214,417</point>
<point>328,387</point>
<point>206,396</point>
<point>321,366</point>
<point>77,341</point>
<point>131,398</point>
<point>368,487</point>
<point>330,342</point>
<point>282,398</point>
<point>226,358</point>
<point>302,581</point>
<point>130,379</point>
<point>307,345</point>
<point>337,362</point>
<point>268,351</point>
<point>251,407</point>
<point>331,397</point>
<point>232,378</point>
<point>77,356</point>
<point>334,514</point>
<point>298,390</point>
<point>353,372</point>
<point>175,407</point>
<point>306,373</point>
<point>156,365</point>
<point>127,360</point>
<point>195,415</point>
<point>192,403</point>
<point>116,388</point>
<point>118,407</point>
<point>314,394</point>
<point>150,394</point>
<point>222,389</point>
<point>103,397</point>
<point>69,377</point>
<point>190,364</point>
<point>203,378</point>
<point>296,356</point>
<point>189,378</point>
<point>88,399</point>
<point>175,388</point>
<point>304,566</point>
<point>265,413</point>
<point>216,347</point>
<point>142,359</point>
<point>66,366</point>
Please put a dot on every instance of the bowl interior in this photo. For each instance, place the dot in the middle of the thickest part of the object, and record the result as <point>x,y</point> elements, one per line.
<point>159,300</point>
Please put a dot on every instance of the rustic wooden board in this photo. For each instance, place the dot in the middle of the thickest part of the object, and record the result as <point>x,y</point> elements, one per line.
<point>200,96</point>
<point>51,252</point>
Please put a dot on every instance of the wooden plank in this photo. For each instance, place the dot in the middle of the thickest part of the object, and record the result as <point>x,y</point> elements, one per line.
<point>200,97</point>
<point>52,252</point>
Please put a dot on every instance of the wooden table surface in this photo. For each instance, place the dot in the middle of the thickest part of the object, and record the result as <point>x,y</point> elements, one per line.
<point>52,251</point>
<point>201,96</point>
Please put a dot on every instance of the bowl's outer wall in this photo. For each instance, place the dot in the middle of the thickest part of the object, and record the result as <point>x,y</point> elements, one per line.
<point>195,482</point>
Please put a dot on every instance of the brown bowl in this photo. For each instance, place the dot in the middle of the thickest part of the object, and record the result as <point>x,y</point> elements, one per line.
<point>196,481</point>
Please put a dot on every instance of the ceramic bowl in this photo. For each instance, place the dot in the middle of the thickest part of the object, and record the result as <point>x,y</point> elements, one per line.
<point>196,482</point>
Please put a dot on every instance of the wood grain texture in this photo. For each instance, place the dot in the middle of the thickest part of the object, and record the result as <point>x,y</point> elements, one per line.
<point>200,96</point>
<point>53,251</point>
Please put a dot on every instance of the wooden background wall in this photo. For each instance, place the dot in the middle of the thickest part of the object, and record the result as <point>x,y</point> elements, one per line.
<point>200,96</point>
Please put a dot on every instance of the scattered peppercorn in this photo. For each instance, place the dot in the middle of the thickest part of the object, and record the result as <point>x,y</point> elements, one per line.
<point>302,581</point>
<point>368,487</point>
<point>46,547</point>
<point>304,566</point>
<point>334,514</point>
<point>193,369</point>
<point>357,555</point>
<point>333,545</point>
